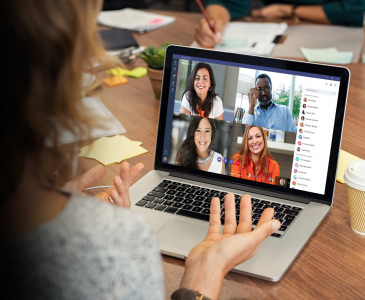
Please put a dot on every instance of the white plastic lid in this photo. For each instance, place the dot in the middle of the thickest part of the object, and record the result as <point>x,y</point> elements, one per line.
<point>355,175</point>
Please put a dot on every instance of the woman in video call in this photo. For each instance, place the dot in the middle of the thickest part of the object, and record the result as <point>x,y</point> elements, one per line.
<point>200,98</point>
<point>254,161</point>
<point>195,151</point>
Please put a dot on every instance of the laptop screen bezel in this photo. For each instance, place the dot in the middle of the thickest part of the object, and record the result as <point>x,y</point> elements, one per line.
<point>335,71</point>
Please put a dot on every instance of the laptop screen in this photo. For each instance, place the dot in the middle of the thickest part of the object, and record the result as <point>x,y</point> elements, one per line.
<point>256,123</point>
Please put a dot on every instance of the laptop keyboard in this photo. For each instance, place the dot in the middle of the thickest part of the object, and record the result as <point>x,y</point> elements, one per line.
<point>194,202</point>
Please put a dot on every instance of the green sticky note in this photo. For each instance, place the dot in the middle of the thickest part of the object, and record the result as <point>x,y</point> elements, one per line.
<point>327,55</point>
<point>137,72</point>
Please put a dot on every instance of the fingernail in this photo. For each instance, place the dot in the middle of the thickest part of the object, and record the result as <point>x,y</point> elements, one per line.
<point>276,225</point>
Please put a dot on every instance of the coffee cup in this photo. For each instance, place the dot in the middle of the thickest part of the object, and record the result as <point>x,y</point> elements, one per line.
<point>355,180</point>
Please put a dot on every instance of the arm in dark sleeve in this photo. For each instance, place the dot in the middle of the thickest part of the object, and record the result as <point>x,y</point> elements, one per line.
<point>237,8</point>
<point>345,12</point>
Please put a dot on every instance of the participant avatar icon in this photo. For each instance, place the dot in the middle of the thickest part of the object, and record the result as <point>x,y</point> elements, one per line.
<point>300,130</point>
<point>300,137</point>
<point>295,171</point>
<point>301,124</point>
<point>298,149</point>
<point>296,164</point>
<point>303,112</point>
<point>231,161</point>
<point>294,183</point>
<point>305,99</point>
<point>304,105</point>
<point>302,118</point>
<point>297,158</point>
<point>282,181</point>
<point>299,143</point>
<point>295,177</point>
<point>165,159</point>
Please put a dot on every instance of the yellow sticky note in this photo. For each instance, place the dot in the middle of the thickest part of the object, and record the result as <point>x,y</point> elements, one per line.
<point>118,71</point>
<point>117,80</point>
<point>343,161</point>
<point>138,151</point>
<point>137,72</point>
<point>108,150</point>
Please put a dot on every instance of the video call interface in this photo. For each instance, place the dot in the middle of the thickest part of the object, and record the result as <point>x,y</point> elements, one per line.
<point>261,124</point>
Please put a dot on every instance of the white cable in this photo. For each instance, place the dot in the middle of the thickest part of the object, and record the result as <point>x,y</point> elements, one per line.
<point>98,187</point>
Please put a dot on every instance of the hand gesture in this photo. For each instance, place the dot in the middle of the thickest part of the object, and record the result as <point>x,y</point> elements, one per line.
<point>213,258</point>
<point>252,98</point>
<point>119,192</point>
<point>205,36</point>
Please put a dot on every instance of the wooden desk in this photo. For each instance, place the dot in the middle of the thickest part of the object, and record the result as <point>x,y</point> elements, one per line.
<point>331,266</point>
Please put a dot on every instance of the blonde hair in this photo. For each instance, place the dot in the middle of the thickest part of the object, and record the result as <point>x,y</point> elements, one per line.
<point>244,152</point>
<point>49,44</point>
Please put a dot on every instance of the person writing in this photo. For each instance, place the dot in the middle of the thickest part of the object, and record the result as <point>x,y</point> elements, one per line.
<point>195,151</point>
<point>267,114</point>
<point>254,161</point>
<point>344,13</point>
<point>57,243</point>
<point>200,98</point>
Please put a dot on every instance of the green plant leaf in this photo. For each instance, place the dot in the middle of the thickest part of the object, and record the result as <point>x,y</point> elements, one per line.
<point>164,45</point>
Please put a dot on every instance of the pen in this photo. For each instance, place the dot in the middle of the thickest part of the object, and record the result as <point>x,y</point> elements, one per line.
<point>205,14</point>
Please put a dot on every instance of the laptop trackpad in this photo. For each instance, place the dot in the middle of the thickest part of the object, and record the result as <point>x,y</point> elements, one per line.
<point>179,237</point>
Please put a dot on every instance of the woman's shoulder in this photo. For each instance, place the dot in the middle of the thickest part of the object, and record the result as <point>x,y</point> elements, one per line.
<point>217,154</point>
<point>217,99</point>
<point>272,163</point>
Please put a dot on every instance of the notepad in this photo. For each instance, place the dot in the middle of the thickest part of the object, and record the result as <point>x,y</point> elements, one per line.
<point>327,55</point>
<point>135,20</point>
<point>249,38</point>
<point>343,161</point>
<point>109,150</point>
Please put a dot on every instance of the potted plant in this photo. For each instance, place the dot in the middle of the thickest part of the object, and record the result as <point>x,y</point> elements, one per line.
<point>155,59</point>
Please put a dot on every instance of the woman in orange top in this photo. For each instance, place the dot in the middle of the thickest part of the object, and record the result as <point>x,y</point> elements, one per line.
<point>254,161</point>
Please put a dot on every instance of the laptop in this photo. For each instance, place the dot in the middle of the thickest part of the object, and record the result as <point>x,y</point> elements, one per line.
<point>297,119</point>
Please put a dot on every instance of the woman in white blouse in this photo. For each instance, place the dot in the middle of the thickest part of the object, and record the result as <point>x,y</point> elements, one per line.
<point>200,98</point>
<point>195,151</point>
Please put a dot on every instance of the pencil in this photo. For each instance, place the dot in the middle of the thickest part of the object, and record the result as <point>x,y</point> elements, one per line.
<point>205,15</point>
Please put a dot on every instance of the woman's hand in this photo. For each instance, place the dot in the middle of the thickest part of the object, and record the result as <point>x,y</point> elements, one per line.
<point>119,192</point>
<point>273,11</point>
<point>212,259</point>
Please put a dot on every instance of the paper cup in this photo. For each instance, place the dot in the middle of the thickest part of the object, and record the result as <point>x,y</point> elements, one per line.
<point>355,180</point>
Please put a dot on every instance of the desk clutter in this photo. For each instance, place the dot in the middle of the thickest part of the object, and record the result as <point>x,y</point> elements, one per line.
<point>328,56</point>
<point>109,150</point>
<point>117,75</point>
<point>134,20</point>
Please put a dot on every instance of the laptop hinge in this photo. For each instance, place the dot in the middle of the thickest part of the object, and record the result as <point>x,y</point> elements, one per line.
<point>241,187</point>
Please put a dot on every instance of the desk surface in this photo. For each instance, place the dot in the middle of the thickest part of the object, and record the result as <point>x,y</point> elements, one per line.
<point>332,264</point>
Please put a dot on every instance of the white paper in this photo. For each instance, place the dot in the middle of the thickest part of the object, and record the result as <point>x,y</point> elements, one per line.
<point>257,38</point>
<point>94,106</point>
<point>135,20</point>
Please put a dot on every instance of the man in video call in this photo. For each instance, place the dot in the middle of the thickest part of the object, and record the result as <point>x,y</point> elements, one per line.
<point>267,114</point>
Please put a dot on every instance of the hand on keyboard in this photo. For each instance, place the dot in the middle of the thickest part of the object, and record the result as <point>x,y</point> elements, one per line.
<point>217,254</point>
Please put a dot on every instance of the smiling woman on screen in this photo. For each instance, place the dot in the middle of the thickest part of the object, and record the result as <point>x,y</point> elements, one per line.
<point>200,98</point>
<point>254,161</point>
<point>195,151</point>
